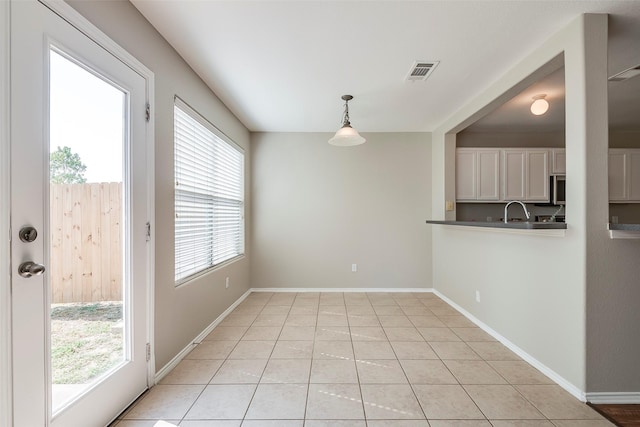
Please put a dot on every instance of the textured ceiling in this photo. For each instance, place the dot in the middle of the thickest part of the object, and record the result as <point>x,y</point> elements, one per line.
<point>283,65</point>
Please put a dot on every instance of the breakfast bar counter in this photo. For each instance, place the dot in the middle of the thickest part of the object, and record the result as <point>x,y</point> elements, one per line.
<point>519,225</point>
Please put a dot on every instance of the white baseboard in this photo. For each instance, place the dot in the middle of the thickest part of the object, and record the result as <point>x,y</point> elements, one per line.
<point>197,340</point>
<point>327,290</point>
<point>621,398</point>
<point>553,376</point>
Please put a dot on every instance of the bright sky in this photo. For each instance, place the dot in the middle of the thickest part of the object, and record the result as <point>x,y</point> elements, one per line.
<point>87,115</point>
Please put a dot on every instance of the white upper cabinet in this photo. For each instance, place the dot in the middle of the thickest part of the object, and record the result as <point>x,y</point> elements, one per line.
<point>618,175</point>
<point>477,174</point>
<point>525,174</point>
<point>634,175</point>
<point>513,181</point>
<point>466,162</point>
<point>497,175</point>
<point>537,175</point>
<point>558,161</point>
<point>624,175</point>
<point>489,175</point>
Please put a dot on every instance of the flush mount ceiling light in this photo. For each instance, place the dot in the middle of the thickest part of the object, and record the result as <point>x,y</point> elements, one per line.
<point>540,105</point>
<point>346,135</point>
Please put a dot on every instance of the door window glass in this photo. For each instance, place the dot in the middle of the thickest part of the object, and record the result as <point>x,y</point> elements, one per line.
<point>86,223</point>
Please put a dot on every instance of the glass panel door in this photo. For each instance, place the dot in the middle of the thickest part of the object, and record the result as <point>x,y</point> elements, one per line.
<point>79,208</point>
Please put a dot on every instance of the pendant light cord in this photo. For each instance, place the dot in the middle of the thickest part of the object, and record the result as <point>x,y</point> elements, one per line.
<point>345,116</point>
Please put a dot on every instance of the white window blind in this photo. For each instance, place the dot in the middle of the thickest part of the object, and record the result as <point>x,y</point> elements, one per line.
<point>209,195</point>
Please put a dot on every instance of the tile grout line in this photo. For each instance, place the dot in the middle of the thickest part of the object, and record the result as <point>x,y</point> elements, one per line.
<point>377,317</point>
<point>183,418</point>
<point>407,377</point>
<point>222,364</point>
<point>364,412</point>
<point>313,348</point>
<point>446,367</point>
<point>461,385</point>
<point>265,365</point>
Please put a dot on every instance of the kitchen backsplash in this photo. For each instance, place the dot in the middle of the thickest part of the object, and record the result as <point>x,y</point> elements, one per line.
<point>495,211</point>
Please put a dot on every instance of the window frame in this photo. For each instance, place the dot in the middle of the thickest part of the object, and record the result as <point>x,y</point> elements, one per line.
<point>217,134</point>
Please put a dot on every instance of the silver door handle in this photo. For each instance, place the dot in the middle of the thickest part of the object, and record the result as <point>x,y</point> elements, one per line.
<point>30,268</point>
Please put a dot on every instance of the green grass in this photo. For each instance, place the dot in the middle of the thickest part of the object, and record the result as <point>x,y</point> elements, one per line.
<point>85,341</point>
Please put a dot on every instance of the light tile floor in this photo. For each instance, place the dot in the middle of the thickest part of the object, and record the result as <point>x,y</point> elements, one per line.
<point>354,360</point>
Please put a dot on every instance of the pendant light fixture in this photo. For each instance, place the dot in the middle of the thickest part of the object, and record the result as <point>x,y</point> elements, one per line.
<point>346,135</point>
<point>539,105</point>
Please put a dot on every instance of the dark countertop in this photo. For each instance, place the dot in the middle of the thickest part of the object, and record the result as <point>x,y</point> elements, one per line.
<point>520,225</point>
<point>624,227</point>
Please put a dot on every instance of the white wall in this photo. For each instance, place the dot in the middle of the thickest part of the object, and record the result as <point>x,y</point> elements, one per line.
<point>180,313</point>
<point>534,288</point>
<point>317,209</point>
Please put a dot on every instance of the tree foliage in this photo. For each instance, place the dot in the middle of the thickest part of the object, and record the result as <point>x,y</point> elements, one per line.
<point>67,167</point>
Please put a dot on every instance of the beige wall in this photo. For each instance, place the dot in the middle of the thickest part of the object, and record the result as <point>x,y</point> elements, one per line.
<point>367,205</point>
<point>534,288</point>
<point>510,139</point>
<point>317,209</point>
<point>624,139</point>
<point>613,291</point>
<point>569,302</point>
<point>180,313</point>
<point>613,347</point>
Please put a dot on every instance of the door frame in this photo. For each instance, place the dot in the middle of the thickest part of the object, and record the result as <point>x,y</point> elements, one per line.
<point>6,389</point>
<point>99,37</point>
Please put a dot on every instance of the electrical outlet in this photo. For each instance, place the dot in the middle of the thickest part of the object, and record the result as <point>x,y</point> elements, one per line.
<point>354,268</point>
<point>477,296</point>
<point>226,284</point>
<point>449,205</point>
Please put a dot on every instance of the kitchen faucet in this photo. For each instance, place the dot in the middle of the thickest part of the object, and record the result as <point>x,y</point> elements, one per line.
<point>526,212</point>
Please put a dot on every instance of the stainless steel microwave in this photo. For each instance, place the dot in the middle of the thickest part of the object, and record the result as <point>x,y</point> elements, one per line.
<point>557,189</point>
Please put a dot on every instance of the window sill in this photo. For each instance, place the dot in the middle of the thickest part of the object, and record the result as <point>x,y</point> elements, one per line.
<point>191,279</point>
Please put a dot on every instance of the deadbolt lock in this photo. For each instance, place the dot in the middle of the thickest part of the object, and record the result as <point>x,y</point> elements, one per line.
<point>28,234</point>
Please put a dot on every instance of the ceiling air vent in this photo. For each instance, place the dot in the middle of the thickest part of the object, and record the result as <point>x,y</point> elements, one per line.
<point>626,74</point>
<point>422,69</point>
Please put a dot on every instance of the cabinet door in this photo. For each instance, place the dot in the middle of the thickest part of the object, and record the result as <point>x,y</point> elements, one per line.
<point>537,176</point>
<point>633,175</point>
<point>558,161</point>
<point>466,171</point>
<point>514,174</point>
<point>488,175</point>
<point>618,175</point>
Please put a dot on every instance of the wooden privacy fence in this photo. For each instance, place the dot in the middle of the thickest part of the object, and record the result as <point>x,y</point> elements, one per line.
<point>86,242</point>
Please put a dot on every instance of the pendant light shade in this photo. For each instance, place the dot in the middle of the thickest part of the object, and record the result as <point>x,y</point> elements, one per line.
<point>539,105</point>
<point>346,135</point>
